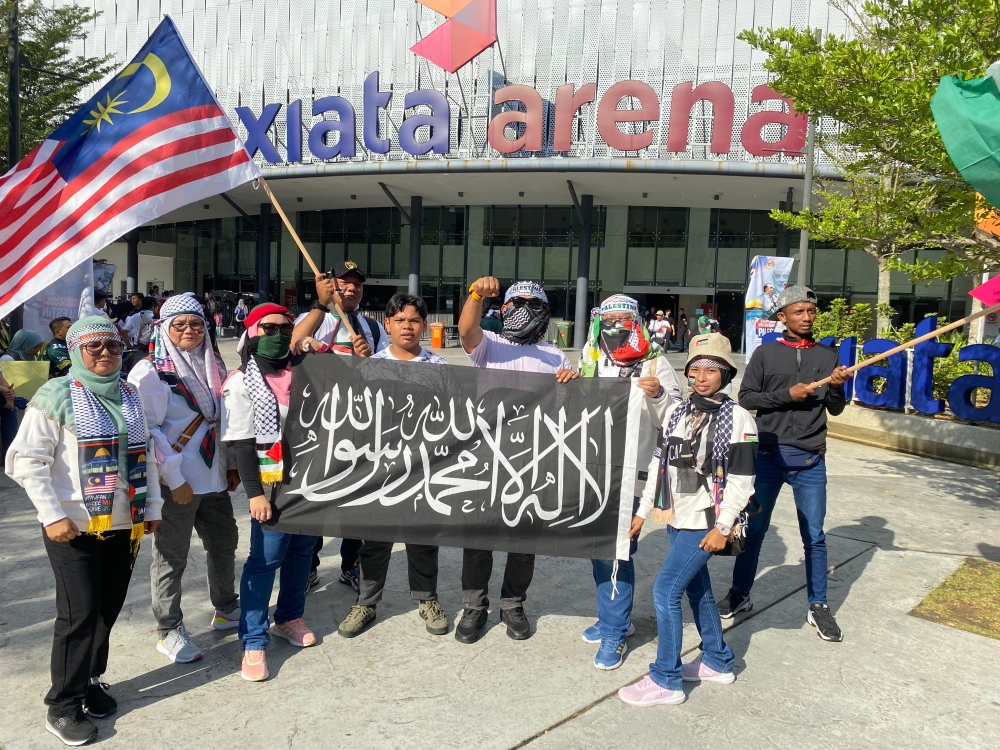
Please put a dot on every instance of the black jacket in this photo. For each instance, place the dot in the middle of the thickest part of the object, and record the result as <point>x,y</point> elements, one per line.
<point>773,369</point>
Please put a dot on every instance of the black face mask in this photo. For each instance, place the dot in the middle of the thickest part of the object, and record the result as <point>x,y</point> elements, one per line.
<point>525,321</point>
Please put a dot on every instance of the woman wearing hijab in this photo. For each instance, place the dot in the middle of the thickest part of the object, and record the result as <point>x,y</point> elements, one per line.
<point>701,482</point>
<point>619,346</point>
<point>254,409</point>
<point>81,457</point>
<point>181,390</point>
<point>24,346</point>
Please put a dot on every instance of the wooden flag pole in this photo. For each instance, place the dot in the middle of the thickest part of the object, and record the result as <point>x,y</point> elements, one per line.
<point>302,248</point>
<point>913,342</point>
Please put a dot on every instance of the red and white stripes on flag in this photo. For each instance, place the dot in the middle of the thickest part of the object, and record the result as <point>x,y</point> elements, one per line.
<point>49,226</point>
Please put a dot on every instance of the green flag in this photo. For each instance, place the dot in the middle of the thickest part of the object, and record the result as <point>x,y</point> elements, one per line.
<point>968,115</point>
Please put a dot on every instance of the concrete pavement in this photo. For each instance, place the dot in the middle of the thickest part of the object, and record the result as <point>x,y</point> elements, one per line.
<point>897,526</point>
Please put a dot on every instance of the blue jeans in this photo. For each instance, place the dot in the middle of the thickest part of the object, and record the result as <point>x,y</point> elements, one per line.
<point>270,550</point>
<point>614,599</point>
<point>686,569</point>
<point>809,490</point>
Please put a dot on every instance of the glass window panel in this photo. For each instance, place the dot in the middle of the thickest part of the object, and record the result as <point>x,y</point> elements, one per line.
<point>357,249</point>
<point>557,264</point>
<point>641,226</point>
<point>381,262</point>
<point>310,222</point>
<point>828,269</point>
<point>453,262</point>
<point>762,223</point>
<point>670,262</point>
<point>453,224</point>
<point>559,222</point>
<point>862,273</point>
<point>479,245</point>
<point>613,251</point>
<point>641,262</point>
<point>430,261</point>
<point>531,224</point>
<point>732,268</point>
<point>333,221</point>
<point>671,222</point>
<point>937,288</point>
<point>432,219</point>
<point>247,258</point>
<point>733,228</point>
<point>503,262</point>
<point>356,220</point>
<point>529,262</point>
<point>504,224</point>
<point>900,282</point>
<point>701,250</point>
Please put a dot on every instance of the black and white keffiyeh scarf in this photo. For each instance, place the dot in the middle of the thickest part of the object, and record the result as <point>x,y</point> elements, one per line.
<point>266,424</point>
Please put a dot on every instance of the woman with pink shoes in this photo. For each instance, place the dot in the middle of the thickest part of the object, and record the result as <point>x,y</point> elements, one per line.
<point>255,405</point>
<point>701,483</point>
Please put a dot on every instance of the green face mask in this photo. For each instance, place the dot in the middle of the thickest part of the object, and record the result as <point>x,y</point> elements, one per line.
<point>274,346</point>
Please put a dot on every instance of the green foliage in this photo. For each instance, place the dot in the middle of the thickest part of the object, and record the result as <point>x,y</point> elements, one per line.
<point>842,322</point>
<point>902,190</point>
<point>46,101</point>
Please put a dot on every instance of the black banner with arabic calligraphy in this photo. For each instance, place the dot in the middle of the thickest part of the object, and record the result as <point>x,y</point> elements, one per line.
<point>459,457</point>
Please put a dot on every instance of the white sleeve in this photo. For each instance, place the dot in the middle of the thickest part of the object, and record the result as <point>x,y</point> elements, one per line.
<point>480,356</point>
<point>237,409</point>
<point>155,395</point>
<point>29,461</point>
<point>659,406</point>
<point>154,500</point>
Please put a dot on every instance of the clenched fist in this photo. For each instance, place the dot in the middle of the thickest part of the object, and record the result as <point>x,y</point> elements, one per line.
<point>487,286</point>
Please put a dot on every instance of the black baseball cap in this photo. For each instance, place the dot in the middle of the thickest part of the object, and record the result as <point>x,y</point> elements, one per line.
<point>340,270</point>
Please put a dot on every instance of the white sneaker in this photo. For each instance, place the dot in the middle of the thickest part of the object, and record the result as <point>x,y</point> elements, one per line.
<point>226,621</point>
<point>178,646</point>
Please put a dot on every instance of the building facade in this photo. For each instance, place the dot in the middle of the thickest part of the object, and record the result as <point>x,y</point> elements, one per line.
<point>436,141</point>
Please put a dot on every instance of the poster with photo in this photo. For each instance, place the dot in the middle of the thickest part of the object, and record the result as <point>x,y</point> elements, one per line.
<point>768,278</point>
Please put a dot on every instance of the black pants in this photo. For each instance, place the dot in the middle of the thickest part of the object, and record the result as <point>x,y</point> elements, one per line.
<point>373,562</point>
<point>348,553</point>
<point>92,579</point>
<point>477,567</point>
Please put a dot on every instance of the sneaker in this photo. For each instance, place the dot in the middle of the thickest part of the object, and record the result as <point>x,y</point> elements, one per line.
<point>97,702</point>
<point>593,633</point>
<point>254,667</point>
<point>360,617</point>
<point>226,620</point>
<point>611,656</point>
<point>518,626</point>
<point>696,671</point>
<point>178,646</point>
<point>470,627</point>
<point>295,632</point>
<point>72,730</point>
<point>435,620</point>
<point>350,577</point>
<point>821,618</point>
<point>647,693</point>
<point>733,602</point>
<point>313,581</point>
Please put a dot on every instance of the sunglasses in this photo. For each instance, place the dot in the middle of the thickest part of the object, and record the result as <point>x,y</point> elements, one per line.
<point>531,304</point>
<point>96,348</point>
<point>272,328</point>
<point>198,325</point>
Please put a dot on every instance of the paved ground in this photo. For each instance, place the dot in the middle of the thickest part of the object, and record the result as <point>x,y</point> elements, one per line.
<point>897,526</point>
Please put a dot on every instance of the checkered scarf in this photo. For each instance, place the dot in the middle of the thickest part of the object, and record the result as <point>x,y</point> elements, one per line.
<point>266,424</point>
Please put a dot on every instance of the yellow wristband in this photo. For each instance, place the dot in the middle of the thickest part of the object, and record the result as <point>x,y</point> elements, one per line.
<point>472,293</point>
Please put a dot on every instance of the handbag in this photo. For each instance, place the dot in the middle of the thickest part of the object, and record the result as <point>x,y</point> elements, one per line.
<point>738,536</point>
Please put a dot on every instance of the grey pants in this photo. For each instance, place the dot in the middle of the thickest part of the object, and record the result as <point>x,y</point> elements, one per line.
<point>373,564</point>
<point>211,515</point>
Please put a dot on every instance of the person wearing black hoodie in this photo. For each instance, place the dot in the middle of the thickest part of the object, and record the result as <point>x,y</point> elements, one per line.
<point>791,424</point>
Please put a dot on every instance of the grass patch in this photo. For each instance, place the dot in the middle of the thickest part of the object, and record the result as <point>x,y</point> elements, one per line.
<point>968,599</point>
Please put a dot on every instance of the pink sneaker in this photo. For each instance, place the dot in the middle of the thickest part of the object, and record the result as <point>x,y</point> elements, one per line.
<point>695,671</point>
<point>647,693</point>
<point>295,632</point>
<point>254,666</point>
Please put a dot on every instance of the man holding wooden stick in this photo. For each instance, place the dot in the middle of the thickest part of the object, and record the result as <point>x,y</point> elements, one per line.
<point>780,383</point>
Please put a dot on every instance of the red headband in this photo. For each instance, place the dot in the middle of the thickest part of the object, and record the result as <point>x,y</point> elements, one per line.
<point>262,311</point>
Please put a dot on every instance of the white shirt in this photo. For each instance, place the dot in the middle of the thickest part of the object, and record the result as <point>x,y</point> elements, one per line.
<point>424,356</point>
<point>497,353</point>
<point>335,335</point>
<point>139,327</point>
<point>237,409</point>
<point>168,415</point>
<point>43,459</point>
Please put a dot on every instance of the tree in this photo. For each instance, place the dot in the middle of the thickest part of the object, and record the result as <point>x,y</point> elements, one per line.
<point>901,190</point>
<point>46,101</point>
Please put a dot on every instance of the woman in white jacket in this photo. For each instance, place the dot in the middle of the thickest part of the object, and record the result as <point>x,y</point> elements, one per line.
<point>181,390</point>
<point>701,483</point>
<point>81,456</point>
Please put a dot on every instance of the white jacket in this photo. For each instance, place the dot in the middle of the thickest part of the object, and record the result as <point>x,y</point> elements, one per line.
<point>689,510</point>
<point>43,460</point>
<point>167,416</point>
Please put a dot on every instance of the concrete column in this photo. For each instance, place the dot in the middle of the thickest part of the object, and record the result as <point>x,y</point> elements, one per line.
<point>131,261</point>
<point>583,273</point>
<point>263,264</point>
<point>416,232</point>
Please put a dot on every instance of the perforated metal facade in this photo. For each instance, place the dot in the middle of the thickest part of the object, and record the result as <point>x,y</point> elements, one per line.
<point>257,52</point>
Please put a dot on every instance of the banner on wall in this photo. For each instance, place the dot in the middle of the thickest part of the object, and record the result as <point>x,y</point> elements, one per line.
<point>460,457</point>
<point>71,296</point>
<point>768,277</point>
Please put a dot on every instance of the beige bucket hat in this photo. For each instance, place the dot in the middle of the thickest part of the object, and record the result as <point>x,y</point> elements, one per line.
<point>711,345</point>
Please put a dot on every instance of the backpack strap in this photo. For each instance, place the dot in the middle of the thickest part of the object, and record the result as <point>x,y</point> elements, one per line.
<point>375,330</point>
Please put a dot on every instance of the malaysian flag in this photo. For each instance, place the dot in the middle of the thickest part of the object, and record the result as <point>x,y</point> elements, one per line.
<point>152,140</point>
<point>99,484</point>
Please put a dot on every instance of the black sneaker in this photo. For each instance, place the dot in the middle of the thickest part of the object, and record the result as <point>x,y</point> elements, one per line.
<point>821,618</point>
<point>351,578</point>
<point>518,626</point>
<point>72,730</point>
<point>98,703</point>
<point>733,602</point>
<point>470,627</point>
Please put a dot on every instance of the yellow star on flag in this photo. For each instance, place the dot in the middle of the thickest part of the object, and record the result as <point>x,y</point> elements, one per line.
<point>104,111</point>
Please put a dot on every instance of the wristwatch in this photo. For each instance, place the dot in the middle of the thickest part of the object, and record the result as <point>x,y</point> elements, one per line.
<point>723,529</point>
<point>317,306</point>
